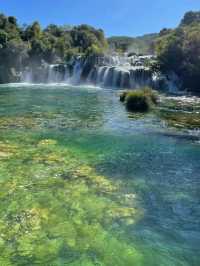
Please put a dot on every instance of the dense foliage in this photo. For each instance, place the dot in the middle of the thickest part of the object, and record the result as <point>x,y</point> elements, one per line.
<point>179,51</point>
<point>20,46</point>
<point>138,45</point>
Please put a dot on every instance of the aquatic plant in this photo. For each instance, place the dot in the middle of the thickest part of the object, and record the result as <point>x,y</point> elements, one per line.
<point>57,210</point>
<point>122,96</point>
<point>141,100</point>
<point>180,112</point>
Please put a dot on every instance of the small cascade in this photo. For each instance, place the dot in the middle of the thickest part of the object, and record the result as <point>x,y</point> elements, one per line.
<point>52,74</point>
<point>77,71</point>
<point>57,74</point>
<point>100,75</point>
<point>27,76</point>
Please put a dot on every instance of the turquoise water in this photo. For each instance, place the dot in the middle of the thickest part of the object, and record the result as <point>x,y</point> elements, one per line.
<point>82,182</point>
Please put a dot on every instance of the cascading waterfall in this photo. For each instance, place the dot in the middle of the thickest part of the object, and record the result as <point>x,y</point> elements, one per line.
<point>108,71</point>
<point>52,74</point>
<point>77,71</point>
<point>27,76</point>
<point>57,73</point>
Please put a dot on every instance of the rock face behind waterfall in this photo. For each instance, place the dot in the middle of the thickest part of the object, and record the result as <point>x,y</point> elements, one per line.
<point>106,71</point>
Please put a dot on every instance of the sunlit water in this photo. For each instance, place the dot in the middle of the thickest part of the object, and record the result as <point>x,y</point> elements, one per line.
<point>82,182</point>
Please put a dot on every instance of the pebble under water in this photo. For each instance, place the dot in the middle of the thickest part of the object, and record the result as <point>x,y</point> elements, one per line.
<point>84,183</point>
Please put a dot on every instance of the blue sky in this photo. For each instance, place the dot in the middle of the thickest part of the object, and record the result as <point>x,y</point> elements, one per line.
<point>115,17</point>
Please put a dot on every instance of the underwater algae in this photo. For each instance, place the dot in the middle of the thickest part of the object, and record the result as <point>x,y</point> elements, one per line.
<point>56,210</point>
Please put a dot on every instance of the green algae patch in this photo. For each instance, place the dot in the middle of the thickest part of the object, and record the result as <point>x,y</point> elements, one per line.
<point>47,142</point>
<point>4,154</point>
<point>181,120</point>
<point>7,150</point>
<point>180,112</point>
<point>17,122</point>
<point>56,210</point>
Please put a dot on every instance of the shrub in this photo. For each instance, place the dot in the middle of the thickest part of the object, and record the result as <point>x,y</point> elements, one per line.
<point>137,102</point>
<point>141,100</point>
<point>123,96</point>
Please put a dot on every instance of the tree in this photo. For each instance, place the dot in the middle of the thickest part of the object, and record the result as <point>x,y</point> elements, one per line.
<point>12,20</point>
<point>3,38</point>
<point>190,17</point>
<point>30,45</point>
<point>179,51</point>
<point>33,32</point>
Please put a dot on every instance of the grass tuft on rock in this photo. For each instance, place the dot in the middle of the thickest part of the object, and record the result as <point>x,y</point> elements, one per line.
<point>140,100</point>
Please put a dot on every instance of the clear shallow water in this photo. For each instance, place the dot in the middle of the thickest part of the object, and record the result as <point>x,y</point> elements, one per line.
<point>83,183</point>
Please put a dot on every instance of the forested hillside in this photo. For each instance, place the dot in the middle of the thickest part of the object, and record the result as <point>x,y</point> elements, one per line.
<point>20,46</point>
<point>139,45</point>
<point>178,51</point>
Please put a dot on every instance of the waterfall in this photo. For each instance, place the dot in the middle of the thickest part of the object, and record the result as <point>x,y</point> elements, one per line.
<point>123,77</point>
<point>100,74</point>
<point>66,75</point>
<point>52,74</point>
<point>57,74</point>
<point>115,71</point>
<point>76,74</point>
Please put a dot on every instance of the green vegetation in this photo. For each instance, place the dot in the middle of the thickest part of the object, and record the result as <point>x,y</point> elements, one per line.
<point>139,45</point>
<point>21,46</point>
<point>179,51</point>
<point>174,111</point>
<point>141,100</point>
<point>181,120</point>
<point>179,113</point>
<point>57,210</point>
